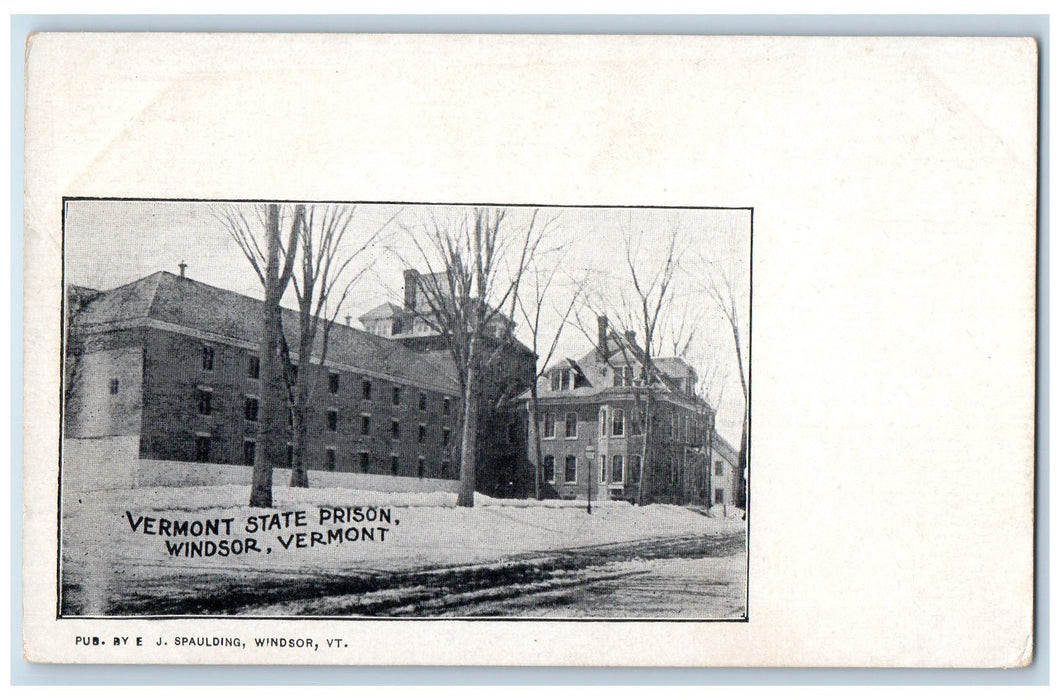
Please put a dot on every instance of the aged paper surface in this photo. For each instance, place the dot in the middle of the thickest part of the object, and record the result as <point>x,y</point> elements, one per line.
<point>875,197</point>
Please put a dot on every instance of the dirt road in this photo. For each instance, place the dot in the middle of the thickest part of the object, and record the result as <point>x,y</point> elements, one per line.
<point>701,577</point>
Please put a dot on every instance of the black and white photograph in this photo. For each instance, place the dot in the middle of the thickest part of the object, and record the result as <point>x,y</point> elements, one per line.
<point>354,409</point>
<point>628,351</point>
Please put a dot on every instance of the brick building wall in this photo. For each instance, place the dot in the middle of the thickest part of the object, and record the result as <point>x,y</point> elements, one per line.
<point>611,457</point>
<point>176,375</point>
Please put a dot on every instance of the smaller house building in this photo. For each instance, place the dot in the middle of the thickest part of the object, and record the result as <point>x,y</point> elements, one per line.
<point>592,426</point>
<point>726,481</point>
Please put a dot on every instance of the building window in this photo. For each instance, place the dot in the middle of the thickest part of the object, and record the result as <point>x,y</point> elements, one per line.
<point>366,425</point>
<point>446,437</point>
<point>550,426</point>
<point>250,409</point>
<point>636,426</point>
<point>253,367</point>
<point>624,376</point>
<point>363,457</point>
<point>421,466</point>
<point>571,425</point>
<point>570,469</point>
<point>333,383</point>
<point>423,400</point>
<point>114,386</point>
<point>397,396</point>
<point>548,468</point>
<point>395,430</point>
<point>719,468</point>
<point>634,468</point>
<point>202,448</point>
<point>396,326</point>
<point>393,465</point>
<point>203,398</point>
<point>366,389</point>
<point>421,434</point>
<point>618,422</point>
<point>617,474</point>
<point>290,456</point>
<point>333,419</point>
<point>329,459</point>
<point>719,495</point>
<point>603,469</point>
<point>446,407</point>
<point>603,421</point>
<point>555,381</point>
<point>250,449</point>
<point>207,357</point>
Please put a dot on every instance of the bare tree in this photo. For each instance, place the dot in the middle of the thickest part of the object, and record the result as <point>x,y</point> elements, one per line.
<point>330,264</point>
<point>531,306</point>
<point>475,262</point>
<point>643,304</point>
<point>652,287</point>
<point>714,376</point>
<point>259,237</point>
<point>720,282</point>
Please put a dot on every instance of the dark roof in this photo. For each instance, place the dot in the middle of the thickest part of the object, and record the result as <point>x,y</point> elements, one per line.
<point>599,374</point>
<point>673,367</point>
<point>188,303</point>
<point>726,450</point>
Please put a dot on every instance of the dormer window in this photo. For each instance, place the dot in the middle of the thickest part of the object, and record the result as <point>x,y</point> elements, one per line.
<point>562,380</point>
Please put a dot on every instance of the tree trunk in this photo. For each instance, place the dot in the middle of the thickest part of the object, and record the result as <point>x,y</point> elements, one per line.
<point>466,497</point>
<point>535,423</point>
<point>645,451</point>
<point>270,404</point>
<point>741,494</point>
<point>299,447</point>
<point>710,464</point>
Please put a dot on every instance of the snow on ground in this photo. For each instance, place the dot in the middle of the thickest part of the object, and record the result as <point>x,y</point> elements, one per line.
<point>426,529</point>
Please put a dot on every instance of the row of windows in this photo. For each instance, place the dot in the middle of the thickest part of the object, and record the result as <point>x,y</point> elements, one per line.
<point>617,424</point>
<point>570,469</point>
<point>334,379</point>
<point>250,448</point>
<point>614,424</point>
<point>204,398</point>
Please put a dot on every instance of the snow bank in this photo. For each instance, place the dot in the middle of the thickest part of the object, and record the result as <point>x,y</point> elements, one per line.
<point>107,531</point>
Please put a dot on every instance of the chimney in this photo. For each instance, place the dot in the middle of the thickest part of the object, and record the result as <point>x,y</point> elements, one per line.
<point>601,342</point>
<point>631,337</point>
<point>412,283</point>
<point>348,318</point>
<point>182,265</point>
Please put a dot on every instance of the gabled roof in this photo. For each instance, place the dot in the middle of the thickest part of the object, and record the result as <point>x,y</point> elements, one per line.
<point>727,451</point>
<point>673,367</point>
<point>188,303</point>
<point>599,374</point>
<point>384,310</point>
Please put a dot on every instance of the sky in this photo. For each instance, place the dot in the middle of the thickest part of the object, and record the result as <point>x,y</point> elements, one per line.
<point>111,243</point>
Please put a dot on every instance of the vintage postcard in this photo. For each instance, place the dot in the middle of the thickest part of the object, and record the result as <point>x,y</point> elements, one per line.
<point>538,350</point>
